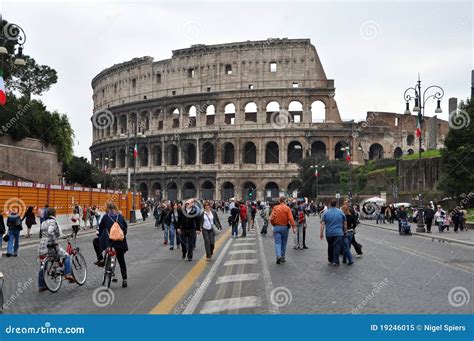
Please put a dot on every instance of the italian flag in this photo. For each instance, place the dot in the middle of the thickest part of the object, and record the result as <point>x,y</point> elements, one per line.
<point>316,173</point>
<point>3,94</point>
<point>348,156</point>
<point>135,152</point>
<point>418,126</point>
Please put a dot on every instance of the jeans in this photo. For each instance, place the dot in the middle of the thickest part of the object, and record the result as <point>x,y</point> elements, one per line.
<point>334,248</point>
<point>298,239</point>
<point>356,245</point>
<point>209,238</point>
<point>265,226</point>
<point>235,228</point>
<point>67,271</point>
<point>280,233</point>
<point>166,229</point>
<point>172,234</point>
<point>440,226</point>
<point>244,225</point>
<point>13,242</point>
<point>346,242</point>
<point>188,239</point>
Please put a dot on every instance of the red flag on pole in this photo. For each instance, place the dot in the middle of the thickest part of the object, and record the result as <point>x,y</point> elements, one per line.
<point>418,126</point>
<point>135,152</point>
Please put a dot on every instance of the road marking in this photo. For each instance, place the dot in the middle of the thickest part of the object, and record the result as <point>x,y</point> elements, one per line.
<point>236,252</point>
<point>243,244</point>
<point>236,278</point>
<point>216,306</point>
<point>267,278</point>
<point>241,261</point>
<point>177,293</point>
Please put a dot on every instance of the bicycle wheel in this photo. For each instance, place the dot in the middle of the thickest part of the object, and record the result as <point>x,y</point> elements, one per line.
<point>108,273</point>
<point>79,268</point>
<point>52,278</point>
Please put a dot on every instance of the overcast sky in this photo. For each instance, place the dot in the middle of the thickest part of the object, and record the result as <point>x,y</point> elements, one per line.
<point>373,50</point>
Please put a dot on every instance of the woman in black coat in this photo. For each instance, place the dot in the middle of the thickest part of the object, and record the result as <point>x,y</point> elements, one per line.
<point>30,220</point>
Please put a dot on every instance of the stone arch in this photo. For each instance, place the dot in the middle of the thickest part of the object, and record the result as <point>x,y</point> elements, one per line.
<point>172,191</point>
<point>189,153</point>
<point>229,113</point>
<point>121,158</point>
<point>375,151</point>
<point>410,151</point>
<point>144,121</point>
<point>172,155</point>
<point>397,153</point>
<point>143,188</point>
<point>208,154</point>
<point>318,111</point>
<point>189,190</point>
<point>272,109</point>
<point>143,156</point>
<point>228,153</point>
<point>210,114</point>
<point>272,190</point>
<point>410,140</point>
<point>228,190</point>
<point>251,112</point>
<point>318,148</point>
<point>272,152</point>
<point>192,116</point>
<point>339,151</point>
<point>123,124</point>
<point>157,190</point>
<point>157,155</point>
<point>294,185</point>
<point>295,152</point>
<point>249,153</point>
<point>295,108</point>
<point>113,159</point>
<point>207,190</point>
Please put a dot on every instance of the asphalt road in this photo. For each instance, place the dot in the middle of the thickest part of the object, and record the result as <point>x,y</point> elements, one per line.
<point>397,274</point>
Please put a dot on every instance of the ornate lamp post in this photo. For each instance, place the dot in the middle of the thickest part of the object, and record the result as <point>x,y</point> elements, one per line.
<point>420,98</point>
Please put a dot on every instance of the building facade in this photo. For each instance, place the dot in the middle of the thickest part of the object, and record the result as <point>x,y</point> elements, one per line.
<point>221,121</point>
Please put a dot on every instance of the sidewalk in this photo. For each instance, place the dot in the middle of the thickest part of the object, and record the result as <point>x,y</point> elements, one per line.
<point>461,237</point>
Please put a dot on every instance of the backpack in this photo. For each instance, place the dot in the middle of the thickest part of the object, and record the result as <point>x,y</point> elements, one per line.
<point>300,217</point>
<point>116,233</point>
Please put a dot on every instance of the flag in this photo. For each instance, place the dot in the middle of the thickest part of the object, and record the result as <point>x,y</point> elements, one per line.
<point>135,152</point>
<point>3,94</point>
<point>348,156</point>
<point>418,126</point>
<point>316,173</point>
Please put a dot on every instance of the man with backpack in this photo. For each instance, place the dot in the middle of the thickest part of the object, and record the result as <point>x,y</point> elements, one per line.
<point>299,216</point>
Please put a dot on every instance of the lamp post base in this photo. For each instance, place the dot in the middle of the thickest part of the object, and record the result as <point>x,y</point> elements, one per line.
<point>420,228</point>
<point>133,218</point>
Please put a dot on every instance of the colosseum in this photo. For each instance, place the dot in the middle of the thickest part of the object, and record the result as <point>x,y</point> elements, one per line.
<point>218,121</point>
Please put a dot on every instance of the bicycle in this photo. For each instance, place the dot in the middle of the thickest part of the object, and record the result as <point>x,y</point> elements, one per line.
<point>53,266</point>
<point>1,292</point>
<point>110,261</point>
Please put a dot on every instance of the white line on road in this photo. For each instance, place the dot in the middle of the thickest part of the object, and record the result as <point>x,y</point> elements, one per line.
<point>216,306</point>
<point>243,244</point>
<point>236,278</point>
<point>236,252</point>
<point>207,280</point>
<point>240,261</point>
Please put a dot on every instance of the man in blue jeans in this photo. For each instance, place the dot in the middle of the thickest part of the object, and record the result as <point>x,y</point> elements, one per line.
<point>335,224</point>
<point>281,219</point>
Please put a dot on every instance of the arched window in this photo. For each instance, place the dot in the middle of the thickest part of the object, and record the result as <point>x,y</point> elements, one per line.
<point>208,153</point>
<point>375,152</point>
<point>228,152</point>
<point>192,113</point>
<point>172,155</point>
<point>189,190</point>
<point>207,190</point>
<point>210,115</point>
<point>229,113</point>
<point>272,190</point>
<point>272,109</point>
<point>295,152</point>
<point>189,154</point>
<point>121,158</point>
<point>250,153</point>
<point>295,108</point>
<point>143,188</point>
<point>157,155</point>
<point>227,190</point>
<point>318,148</point>
<point>410,140</point>
<point>398,153</point>
<point>172,191</point>
<point>339,150</point>
<point>143,157</point>
<point>318,112</point>
<point>156,188</point>
<point>251,112</point>
<point>272,152</point>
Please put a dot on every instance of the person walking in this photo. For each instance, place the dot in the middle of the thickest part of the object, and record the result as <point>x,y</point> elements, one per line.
<point>264,213</point>
<point>354,223</point>
<point>210,222</point>
<point>440,217</point>
<point>50,233</point>
<point>188,226</point>
<point>234,218</point>
<point>93,213</point>
<point>30,220</point>
<point>157,215</point>
<point>166,226</point>
<point>172,221</point>
<point>348,235</point>
<point>14,227</point>
<point>334,224</point>
<point>2,230</point>
<point>243,219</point>
<point>85,216</point>
<point>76,221</point>
<point>102,241</point>
<point>429,216</point>
<point>300,220</point>
<point>282,219</point>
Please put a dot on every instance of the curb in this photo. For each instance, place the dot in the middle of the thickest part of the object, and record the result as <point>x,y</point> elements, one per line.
<point>79,235</point>
<point>455,241</point>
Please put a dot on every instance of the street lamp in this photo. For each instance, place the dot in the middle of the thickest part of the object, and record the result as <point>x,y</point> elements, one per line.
<point>420,99</point>
<point>12,38</point>
<point>316,174</point>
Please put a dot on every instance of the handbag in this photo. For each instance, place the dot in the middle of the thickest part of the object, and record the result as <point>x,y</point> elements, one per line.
<point>6,238</point>
<point>215,229</point>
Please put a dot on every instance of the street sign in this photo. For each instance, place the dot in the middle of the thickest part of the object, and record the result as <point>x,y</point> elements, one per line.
<point>338,195</point>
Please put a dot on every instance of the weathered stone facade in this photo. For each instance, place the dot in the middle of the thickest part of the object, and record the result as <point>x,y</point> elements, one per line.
<point>222,119</point>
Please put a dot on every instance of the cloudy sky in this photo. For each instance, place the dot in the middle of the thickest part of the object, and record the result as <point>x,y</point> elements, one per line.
<point>373,50</point>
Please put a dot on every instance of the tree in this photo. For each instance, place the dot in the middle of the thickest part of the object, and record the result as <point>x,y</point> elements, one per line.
<point>31,79</point>
<point>457,156</point>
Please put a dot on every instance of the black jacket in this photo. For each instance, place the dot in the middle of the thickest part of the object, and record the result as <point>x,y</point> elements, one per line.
<point>189,221</point>
<point>104,230</point>
<point>2,226</point>
<point>429,213</point>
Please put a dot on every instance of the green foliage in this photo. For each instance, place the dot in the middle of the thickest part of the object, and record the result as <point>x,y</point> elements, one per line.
<point>424,155</point>
<point>457,158</point>
<point>80,172</point>
<point>23,118</point>
<point>31,79</point>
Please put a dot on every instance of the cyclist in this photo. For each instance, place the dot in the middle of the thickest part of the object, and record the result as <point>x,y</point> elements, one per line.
<point>50,232</point>
<point>101,242</point>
